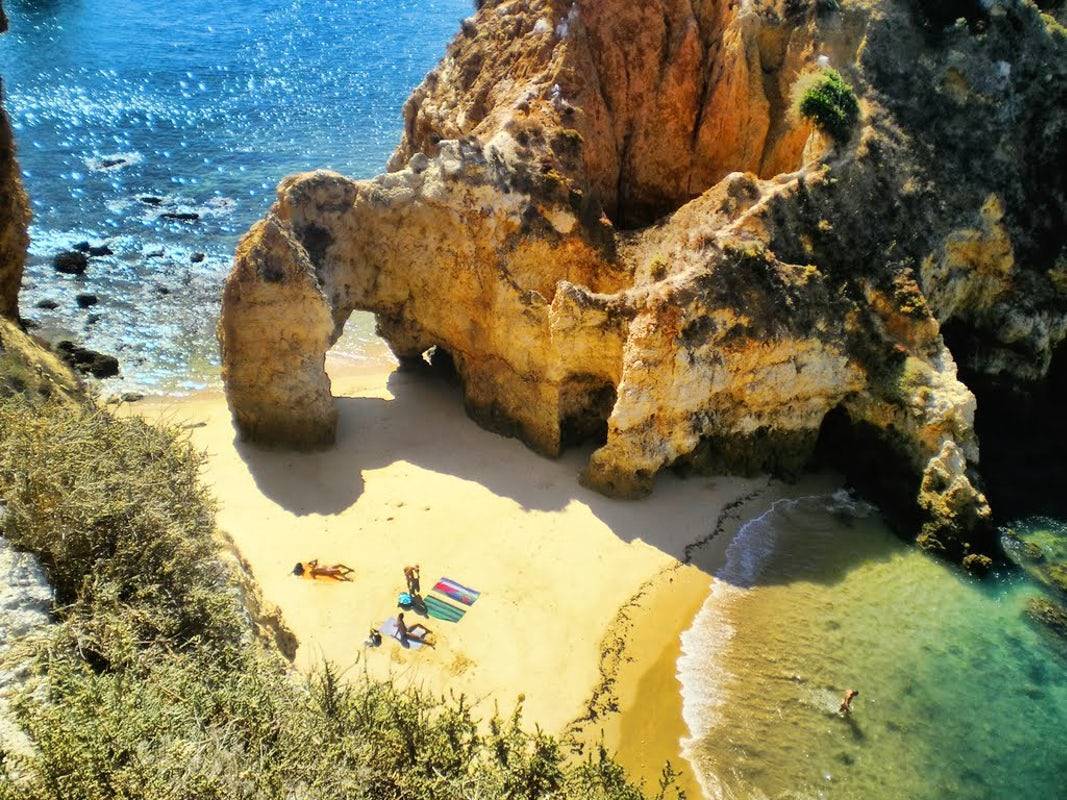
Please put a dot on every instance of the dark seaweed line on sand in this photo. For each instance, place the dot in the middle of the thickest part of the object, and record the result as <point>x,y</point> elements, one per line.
<point>731,512</point>
<point>603,700</point>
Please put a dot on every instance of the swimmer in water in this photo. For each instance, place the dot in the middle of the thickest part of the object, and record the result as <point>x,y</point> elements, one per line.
<point>846,702</point>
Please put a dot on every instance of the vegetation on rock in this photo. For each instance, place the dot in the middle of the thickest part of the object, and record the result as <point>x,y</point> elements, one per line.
<point>828,101</point>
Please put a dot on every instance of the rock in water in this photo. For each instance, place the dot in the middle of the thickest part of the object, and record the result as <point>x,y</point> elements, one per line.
<point>88,362</point>
<point>70,262</point>
<point>654,252</point>
<point>86,300</point>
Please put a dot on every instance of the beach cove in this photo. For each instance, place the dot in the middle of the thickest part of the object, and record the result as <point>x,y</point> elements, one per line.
<point>800,297</point>
<point>583,598</point>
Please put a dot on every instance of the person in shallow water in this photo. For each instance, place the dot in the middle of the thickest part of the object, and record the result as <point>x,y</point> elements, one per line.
<point>411,575</point>
<point>338,572</point>
<point>416,633</point>
<point>846,702</point>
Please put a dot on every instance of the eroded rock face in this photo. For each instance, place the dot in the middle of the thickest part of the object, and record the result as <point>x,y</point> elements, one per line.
<point>14,213</point>
<point>668,96</point>
<point>790,303</point>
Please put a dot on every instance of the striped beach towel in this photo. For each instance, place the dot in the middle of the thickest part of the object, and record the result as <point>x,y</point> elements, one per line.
<point>457,591</point>
<point>439,609</point>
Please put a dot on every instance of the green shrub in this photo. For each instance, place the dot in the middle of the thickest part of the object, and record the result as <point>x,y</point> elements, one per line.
<point>115,510</point>
<point>153,684</point>
<point>828,101</point>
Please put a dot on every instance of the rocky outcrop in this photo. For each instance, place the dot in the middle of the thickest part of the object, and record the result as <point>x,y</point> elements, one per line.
<point>667,97</point>
<point>14,213</point>
<point>25,610</point>
<point>607,215</point>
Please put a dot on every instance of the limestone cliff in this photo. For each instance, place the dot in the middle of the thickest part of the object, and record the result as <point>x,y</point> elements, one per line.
<point>609,216</point>
<point>14,212</point>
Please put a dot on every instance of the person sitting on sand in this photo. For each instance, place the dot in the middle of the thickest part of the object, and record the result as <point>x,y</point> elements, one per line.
<point>413,633</point>
<point>846,703</point>
<point>338,572</point>
<point>411,575</point>
<point>375,638</point>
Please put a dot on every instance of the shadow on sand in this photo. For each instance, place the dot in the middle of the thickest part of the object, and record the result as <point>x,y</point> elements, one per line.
<point>424,424</point>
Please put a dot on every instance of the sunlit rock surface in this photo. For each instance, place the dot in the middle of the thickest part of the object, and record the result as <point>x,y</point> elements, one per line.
<point>607,215</point>
<point>14,212</point>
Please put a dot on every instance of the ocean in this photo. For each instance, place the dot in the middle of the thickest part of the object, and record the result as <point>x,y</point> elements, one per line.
<point>128,111</point>
<point>960,695</point>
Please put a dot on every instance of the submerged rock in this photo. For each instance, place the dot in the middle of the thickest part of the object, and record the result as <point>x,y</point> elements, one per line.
<point>655,253</point>
<point>182,216</point>
<point>86,300</point>
<point>1057,575</point>
<point>1048,613</point>
<point>47,304</point>
<point>1022,550</point>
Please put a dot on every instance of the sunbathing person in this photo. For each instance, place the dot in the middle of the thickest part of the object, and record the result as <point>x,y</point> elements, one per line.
<point>413,633</point>
<point>338,572</point>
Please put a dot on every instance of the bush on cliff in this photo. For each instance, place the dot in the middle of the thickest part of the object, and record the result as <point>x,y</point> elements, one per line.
<point>153,684</point>
<point>828,101</point>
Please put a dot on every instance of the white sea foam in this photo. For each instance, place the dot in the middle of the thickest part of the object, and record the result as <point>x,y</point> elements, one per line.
<point>701,672</point>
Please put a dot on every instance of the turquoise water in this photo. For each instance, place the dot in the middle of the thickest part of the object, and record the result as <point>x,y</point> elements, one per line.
<point>960,695</point>
<point>208,105</point>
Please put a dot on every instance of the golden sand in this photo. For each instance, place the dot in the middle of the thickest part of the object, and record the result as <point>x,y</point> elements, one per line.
<point>583,598</point>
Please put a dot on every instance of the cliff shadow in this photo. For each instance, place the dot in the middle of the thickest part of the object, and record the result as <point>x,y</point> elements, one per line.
<point>314,482</point>
<point>424,424</point>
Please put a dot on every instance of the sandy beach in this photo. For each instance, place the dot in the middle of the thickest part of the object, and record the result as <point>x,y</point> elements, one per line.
<point>583,598</point>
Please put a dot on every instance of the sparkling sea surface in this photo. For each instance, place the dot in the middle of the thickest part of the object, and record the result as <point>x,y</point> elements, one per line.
<point>205,106</point>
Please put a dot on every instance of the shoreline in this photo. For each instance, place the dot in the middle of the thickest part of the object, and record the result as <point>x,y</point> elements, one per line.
<point>572,583</point>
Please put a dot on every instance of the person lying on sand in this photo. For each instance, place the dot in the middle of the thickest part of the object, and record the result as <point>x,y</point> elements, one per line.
<point>846,702</point>
<point>411,575</point>
<point>338,572</point>
<point>413,633</point>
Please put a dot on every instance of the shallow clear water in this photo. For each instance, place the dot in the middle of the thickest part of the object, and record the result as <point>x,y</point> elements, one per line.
<point>208,105</point>
<point>960,697</point>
